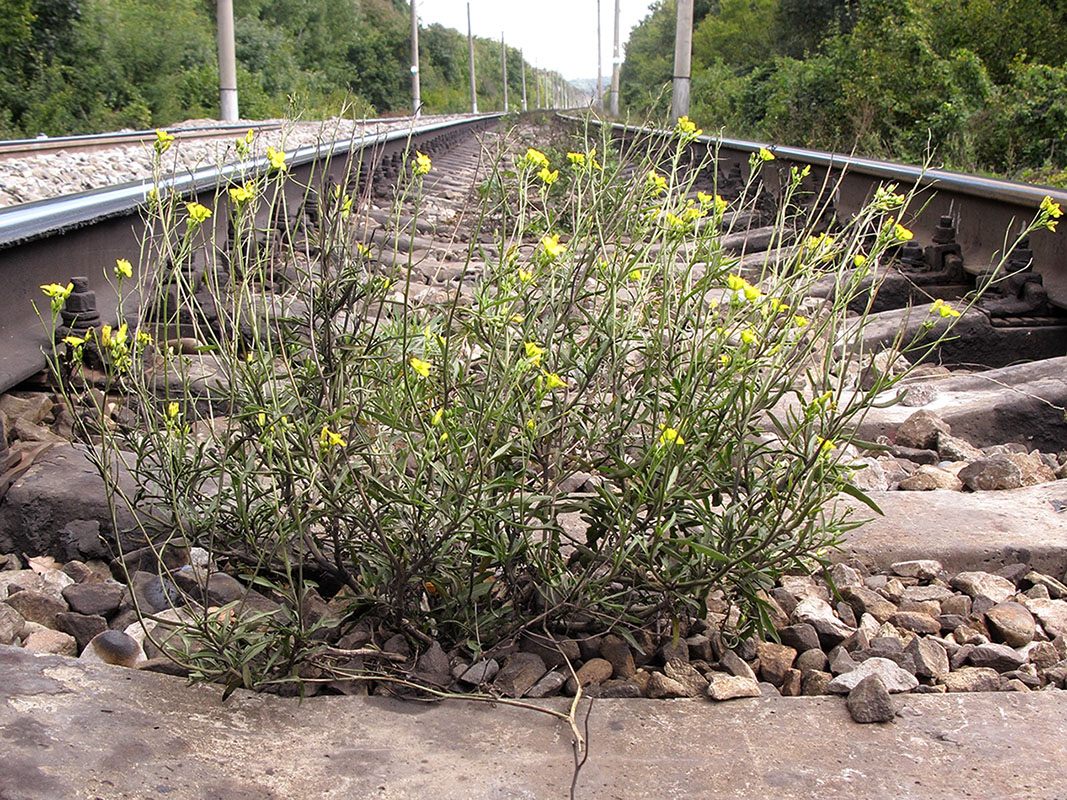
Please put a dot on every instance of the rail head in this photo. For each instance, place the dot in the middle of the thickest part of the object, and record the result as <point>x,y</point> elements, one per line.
<point>30,221</point>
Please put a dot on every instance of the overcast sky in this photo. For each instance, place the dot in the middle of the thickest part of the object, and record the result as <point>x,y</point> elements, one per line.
<point>558,35</point>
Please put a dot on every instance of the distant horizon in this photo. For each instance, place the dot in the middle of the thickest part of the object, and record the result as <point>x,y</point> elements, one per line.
<point>568,48</point>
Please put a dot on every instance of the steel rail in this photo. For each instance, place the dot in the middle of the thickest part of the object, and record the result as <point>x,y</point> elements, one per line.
<point>49,241</point>
<point>988,212</point>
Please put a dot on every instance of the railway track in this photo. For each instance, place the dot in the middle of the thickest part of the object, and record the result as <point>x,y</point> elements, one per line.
<point>445,247</point>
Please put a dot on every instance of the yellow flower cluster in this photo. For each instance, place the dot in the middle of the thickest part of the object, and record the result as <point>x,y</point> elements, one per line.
<point>655,182</point>
<point>687,129</point>
<point>716,203</point>
<point>548,176</point>
<point>885,198</point>
<point>535,158</point>
<point>328,438</point>
<point>1050,213</point>
<point>163,141</point>
<point>420,366</point>
<point>276,158</point>
<point>669,437</point>
<point>197,213</point>
<point>552,246</point>
<point>58,294</point>
<point>422,164</point>
<point>943,309</point>
<point>240,195</point>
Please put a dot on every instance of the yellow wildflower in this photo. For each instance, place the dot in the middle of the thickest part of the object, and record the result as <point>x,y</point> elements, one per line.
<point>163,141</point>
<point>748,336</point>
<point>669,437</point>
<point>241,194</point>
<point>765,154</point>
<point>58,294</point>
<point>1051,212</point>
<point>859,260</point>
<point>552,246</point>
<point>536,158</point>
<point>736,283</point>
<point>939,306</point>
<point>438,415</point>
<point>825,445</point>
<point>422,164</point>
<point>328,438</point>
<point>635,275</point>
<point>553,381</point>
<point>578,159</point>
<point>799,321</point>
<point>534,353</point>
<point>549,177</point>
<point>173,409</point>
<point>123,268</point>
<point>655,182</point>
<point>73,341</point>
<point>276,158</point>
<point>752,293</point>
<point>902,233</point>
<point>687,129</point>
<point>525,275</point>
<point>886,200</point>
<point>197,213</point>
<point>420,366</point>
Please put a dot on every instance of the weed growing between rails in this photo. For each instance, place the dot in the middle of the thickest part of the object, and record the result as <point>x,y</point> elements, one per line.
<point>371,466</point>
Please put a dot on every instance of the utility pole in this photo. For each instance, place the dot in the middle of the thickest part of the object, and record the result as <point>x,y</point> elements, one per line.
<point>470,53</point>
<point>504,63</point>
<point>616,67</point>
<point>416,93</point>
<point>683,51</point>
<point>599,65</point>
<point>227,63</point>
<point>522,60</point>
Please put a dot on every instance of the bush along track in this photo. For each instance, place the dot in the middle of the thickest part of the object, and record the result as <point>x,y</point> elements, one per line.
<point>606,443</point>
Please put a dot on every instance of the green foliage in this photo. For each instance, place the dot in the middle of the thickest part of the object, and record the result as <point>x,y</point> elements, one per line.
<point>972,82</point>
<point>82,65</point>
<point>420,457</point>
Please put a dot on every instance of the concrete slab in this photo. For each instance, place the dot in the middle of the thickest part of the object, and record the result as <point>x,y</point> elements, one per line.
<point>72,730</point>
<point>964,530</point>
<point>1023,403</point>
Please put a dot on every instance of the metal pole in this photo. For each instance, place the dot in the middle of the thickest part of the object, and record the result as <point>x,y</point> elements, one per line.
<point>470,55</point>
<point>683,51</point>
<point>416,92</point>
<point>599,66</point>
<point>227,63</point>
<point>504,63</point>
<point>616,67</point>
<point>522,60</point>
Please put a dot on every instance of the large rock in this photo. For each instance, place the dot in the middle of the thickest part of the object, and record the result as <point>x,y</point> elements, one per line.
<point>775,660</point>
<point>12,624</point>
<point>989,474</point>
<point>928,478</point>
<point>893,677</point>
<point>869,701</point>
<point>83,627</point>
<point>994,587</point>
<point>592,673</point>
<point>520,674</point>
<point>51,582</point>
<point>925,569</point>
<point>952,448</point>
<point>972,679</point>
<point>921,430</point>
<point>730,687</point>
<point>37,606</point>
<point>52,642</point>
<point>1052,614</point>
<point>685,675</point>
<point>818,613</point>
<point>615,649</point>
<point>930,658</point>
<point>996,656</point>
<point>865,601</point>
<point>94,599</point>
<point>60,487</point>
<point>1012,623</point>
